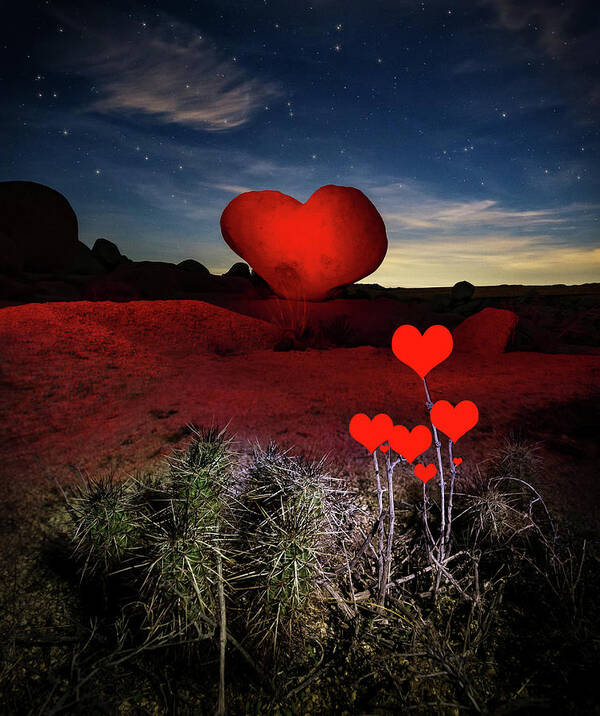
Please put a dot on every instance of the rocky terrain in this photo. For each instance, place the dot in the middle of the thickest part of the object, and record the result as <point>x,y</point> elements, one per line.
<point>106,361</point>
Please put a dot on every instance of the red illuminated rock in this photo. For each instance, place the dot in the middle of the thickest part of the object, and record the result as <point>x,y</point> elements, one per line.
<point>486,333</point>
<point>304,251</point>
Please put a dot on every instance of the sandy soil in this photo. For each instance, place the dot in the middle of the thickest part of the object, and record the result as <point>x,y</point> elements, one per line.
<point>92,387</point>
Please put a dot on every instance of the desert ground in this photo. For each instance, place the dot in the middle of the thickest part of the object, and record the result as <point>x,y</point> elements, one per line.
<point>96,387</point>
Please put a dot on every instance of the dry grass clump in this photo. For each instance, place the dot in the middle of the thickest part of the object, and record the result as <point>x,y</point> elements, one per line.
<point>517,457</point>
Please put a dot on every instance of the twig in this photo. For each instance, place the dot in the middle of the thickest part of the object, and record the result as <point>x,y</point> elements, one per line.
<point>380,519</point>
<point>425,522</point>
<point>390,535</point>
<point>451,495</point>
<point>363,549</point>
<point>221,708</point>
<point>438,445</point>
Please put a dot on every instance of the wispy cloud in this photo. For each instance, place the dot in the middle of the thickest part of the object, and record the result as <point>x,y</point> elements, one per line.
<point>434,241</point>
<point>406,206</point>
<point>170,71</point>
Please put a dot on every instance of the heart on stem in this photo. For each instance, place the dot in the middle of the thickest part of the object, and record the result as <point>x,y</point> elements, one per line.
<point>371,433</point>
<point>454,421</point>
<point>422,352</point>
<point>457,460</point>
<point>410,444</point>
<point>425,472</point>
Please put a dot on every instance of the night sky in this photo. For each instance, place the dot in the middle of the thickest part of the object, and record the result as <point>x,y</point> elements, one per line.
<point>473,127</point>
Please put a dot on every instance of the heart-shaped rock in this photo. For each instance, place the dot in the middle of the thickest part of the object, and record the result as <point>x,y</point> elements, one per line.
<point>457,460</point>
<point>454,421</point>
<point>305,250</point>
<point>422,352</point>
<point>410,444</point>
<point>371,433</point>
<point>425,473</point>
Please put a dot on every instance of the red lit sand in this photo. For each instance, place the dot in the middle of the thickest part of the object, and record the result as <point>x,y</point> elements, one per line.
<point>95,385</point>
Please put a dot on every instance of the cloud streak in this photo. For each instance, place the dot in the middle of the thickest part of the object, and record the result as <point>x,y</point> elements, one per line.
<point>486,260</point>
<point>437,242</point>
<point>406,206</point>
<point>172,73</point>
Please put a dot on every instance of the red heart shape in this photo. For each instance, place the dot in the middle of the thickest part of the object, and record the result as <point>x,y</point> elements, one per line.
<point>304,251</point>
<point>455,422</point>
<point>425,473</point>
<point>457,460</point>
<point>371,433</point>
<point>422,352</point>
<point>384,448</point>
<point>410,444</point>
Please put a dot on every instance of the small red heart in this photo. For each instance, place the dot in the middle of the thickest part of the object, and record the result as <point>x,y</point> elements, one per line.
<point>422,352</point>
<point>384,448</point>
<point>410,444</point>
<point>371,433</point>
<point>425,473</point>
<point>304,251</point>
<point>457,460</point>
<point>455,422</point>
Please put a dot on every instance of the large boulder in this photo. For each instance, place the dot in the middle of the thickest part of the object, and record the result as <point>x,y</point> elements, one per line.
<point>138,279</point>
<point>83,262</point>
<point>240,269</point>
<point>305,251</point>
<point>160,280</point>
<point>40,222</point>
<point>193,266</point>
<point>486,333</point>
<point>462,292</point>
<point>108,254</point>
<point>12,289</point>
<point>11,256</point>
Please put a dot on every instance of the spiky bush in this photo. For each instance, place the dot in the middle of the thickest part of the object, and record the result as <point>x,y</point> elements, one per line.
<point>106,524</point>
<point>291,515</point>
<point>185,539</point>
<point>164,533</point>
<point>516,457</point>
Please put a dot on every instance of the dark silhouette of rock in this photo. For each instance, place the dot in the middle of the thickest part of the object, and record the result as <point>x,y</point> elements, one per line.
<point>138,279</point>
<point>261,287</point>
<point>462,291</point>
<point>160,280</point>
<point>486,333</point>
<point>440,303</point>
<point>193,265</point>
<point>240,269</point>
<point>41,222</point>
<point>11,256</point>
<point>83,262</point>
<point>55,290</point>
<point>12,289</point>
<point>108,254</point>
